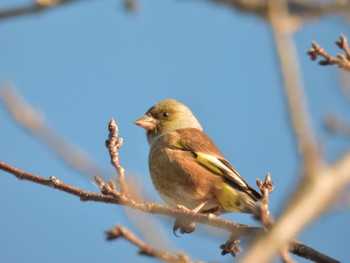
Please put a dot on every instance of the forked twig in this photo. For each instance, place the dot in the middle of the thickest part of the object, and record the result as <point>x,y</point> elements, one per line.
<point>341,60</point>
<point>145,249</point>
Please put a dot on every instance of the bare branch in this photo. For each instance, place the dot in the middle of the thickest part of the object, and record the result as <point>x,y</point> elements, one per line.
<point>113,144</point>
<point>306,203</point>
<point>31,120</point>
<point>337,125</point>
<point>342,60</point>
<point>266,188</point>
<point>301,10</point>
<point>314,196</point>
<point>294,90</point>
<point>34,8</point>
<point>110,196</point>
<point>145,249</point>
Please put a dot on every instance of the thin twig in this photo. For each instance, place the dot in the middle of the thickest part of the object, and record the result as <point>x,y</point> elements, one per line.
<point>266,189</point>
<point>146,249</point>
<point>293,86</point>
<point>341,60</point>
<point>33,121</point>
<point>113,144</point>
<point>33,8</point>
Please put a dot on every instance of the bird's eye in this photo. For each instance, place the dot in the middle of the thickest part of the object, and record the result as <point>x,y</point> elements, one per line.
<point>165,114</point>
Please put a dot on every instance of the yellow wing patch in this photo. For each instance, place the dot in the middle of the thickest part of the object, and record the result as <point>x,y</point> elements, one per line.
<point>178,145</point>
<point>205,159</point>
<point>229,198</point>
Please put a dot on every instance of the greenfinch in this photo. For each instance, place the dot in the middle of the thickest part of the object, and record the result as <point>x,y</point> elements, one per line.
<point>186,167</point>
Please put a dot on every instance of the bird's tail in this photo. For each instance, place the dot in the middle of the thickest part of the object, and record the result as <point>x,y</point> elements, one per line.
<point>234,200</point>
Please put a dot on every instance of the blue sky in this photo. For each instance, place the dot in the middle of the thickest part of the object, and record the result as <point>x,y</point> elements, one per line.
<point>83,63</point>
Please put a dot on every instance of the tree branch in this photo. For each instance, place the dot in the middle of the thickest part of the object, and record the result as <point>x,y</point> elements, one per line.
<point>121,199</point>
<point>342,60</point>
<point>293,86</point>
<point>145,249</point>
<point>113,144</point>
<point>33,8</point>
<point>236,229</point>
<point>300,9</point>
<point>320,186</point>
<point>33,121</point>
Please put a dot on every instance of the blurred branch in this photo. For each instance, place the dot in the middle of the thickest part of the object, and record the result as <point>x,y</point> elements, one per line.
<point>145,249</point>
<point>33,121</point>
<point>342,60</point>
<point>337,125</point>
<point>293,86</point>
<point>318,190</point>
<point>314,196</point>
<point>40,6</point>
<point>33,8</point>
<point>131,5</point>
<point>299,9</point>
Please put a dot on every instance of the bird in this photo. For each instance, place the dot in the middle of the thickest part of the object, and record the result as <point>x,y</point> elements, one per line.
<point>187,169</point>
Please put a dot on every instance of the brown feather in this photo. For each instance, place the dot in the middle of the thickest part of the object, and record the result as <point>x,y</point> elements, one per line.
<point>194,140</point>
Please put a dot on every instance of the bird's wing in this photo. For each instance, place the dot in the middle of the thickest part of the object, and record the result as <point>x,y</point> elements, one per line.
<point>208,155</point>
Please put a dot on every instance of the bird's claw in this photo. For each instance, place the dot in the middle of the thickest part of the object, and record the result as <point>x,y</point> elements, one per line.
<point>183,208</point>
<point>185,227</point>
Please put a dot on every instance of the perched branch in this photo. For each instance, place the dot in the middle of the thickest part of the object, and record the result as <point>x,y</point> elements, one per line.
<point>145,249</point>
<point>342,60</point>
<point>111,196</point>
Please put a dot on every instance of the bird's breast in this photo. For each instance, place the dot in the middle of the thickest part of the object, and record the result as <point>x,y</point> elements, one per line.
<point>177,177</point>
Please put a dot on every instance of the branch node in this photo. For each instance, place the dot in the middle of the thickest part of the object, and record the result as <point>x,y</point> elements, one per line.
<point>55,181</point>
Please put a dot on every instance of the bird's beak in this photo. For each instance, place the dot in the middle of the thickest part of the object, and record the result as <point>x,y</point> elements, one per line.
<point>146,122</point>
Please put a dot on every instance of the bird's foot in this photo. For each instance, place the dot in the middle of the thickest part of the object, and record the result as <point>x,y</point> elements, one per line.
<point>183,208</point>
<point>195,210</point>
<point>184,226</point>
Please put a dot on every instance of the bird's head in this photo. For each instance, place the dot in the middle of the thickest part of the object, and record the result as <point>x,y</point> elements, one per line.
<point>165,116</point>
